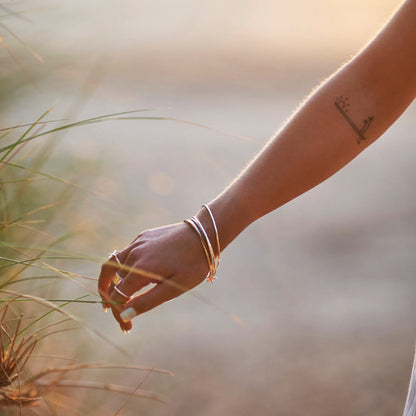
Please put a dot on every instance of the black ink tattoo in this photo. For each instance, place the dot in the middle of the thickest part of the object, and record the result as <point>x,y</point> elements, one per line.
<point>342,105</point>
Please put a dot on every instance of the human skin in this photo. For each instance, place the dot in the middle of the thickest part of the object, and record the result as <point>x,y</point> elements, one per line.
<point>342,117</point>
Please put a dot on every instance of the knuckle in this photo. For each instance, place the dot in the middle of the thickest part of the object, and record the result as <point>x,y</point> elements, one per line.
<point>140,268</point>
<point>133,255</point>
<point>128,286</point>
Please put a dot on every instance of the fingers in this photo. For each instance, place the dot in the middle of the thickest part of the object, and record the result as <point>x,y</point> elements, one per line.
<point>135,280</point>
<point>108,271</point>
<point>170,257</point>
<point>122,294</point>
<point>160,293</point>
<point>112,272</point>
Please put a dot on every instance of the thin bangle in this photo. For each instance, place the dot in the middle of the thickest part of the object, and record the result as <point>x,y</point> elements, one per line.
<point>211,250</point>
<point>216,231</point>
<point>195,227</point>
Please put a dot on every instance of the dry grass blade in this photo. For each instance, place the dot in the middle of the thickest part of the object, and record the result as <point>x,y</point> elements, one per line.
<point>35,387</point>
<point>19,397</point>
<point>136,389</point>
<point>21,180</point>
<point>158,278</point>
<point>14,357</point>
<point>96,366</point>
<point>28,214</point>
<point>16,61</point>
<point>114,388</point>
<point>58,308</point>
<point>25,45</point>
<point>14,361</point>
<point>15,353</point>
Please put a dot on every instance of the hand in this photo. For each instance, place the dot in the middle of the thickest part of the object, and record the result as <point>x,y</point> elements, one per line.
<point>170,257</point>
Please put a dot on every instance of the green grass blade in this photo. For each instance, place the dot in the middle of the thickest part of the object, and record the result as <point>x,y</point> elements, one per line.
<point>22,139</point>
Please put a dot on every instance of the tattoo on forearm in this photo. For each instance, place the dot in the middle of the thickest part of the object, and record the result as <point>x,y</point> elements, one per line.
<point>342,104</point>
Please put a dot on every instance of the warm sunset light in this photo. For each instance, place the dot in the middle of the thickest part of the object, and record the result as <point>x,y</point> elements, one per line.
<point>243,209</point>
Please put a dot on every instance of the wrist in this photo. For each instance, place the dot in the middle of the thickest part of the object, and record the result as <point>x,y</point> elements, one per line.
<point>230,218</point>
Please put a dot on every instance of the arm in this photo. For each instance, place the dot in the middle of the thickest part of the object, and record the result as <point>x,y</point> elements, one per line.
<point>339,120</point>
<point>380,82</point>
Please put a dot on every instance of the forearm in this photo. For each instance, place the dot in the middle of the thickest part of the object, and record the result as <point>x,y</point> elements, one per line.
<point>338,121</point>
<point>344,116</point>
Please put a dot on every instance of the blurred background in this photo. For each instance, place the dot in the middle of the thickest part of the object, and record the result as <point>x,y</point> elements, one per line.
<point>313,309</point>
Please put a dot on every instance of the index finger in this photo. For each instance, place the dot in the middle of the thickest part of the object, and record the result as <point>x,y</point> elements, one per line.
<point>108,270</point>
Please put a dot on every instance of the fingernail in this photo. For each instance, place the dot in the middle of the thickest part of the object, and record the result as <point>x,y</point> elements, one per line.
<point>126,331</point>
<point>128,314</point>
<point>105,308</point>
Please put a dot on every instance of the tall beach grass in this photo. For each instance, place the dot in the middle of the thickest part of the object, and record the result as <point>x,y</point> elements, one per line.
<point>40,328</point>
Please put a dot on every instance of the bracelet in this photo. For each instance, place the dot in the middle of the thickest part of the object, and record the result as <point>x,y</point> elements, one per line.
<point>216,232</point>
<point>211,272</point>
<point>212,259</point>
<point>210,249</point>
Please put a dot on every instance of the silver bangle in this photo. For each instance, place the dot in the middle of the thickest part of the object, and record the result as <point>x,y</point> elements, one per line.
<point>211,250</point>
<point>216,232</point>
<point>204,246</point>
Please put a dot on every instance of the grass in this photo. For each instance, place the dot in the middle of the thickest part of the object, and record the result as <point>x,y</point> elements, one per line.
<point>44,368</point>
<point>44,364</point>
<point>38,271</point>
